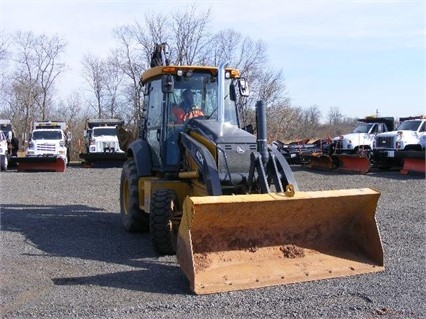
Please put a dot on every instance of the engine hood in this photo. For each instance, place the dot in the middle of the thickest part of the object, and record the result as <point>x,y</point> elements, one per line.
<point>220,132</point>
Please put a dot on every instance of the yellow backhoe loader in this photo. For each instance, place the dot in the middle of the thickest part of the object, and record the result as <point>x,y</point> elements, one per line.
<point>227,203</point>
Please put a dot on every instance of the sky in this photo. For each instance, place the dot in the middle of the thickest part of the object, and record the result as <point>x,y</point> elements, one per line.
<point>362,57</point>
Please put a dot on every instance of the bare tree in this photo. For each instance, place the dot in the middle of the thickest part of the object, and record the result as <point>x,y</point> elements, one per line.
<point>155,30</point>
<point>224,46</point>
<point>74,114</point>
<point>191,37</point>
<point>128,58</point>
<point>39,67</point>
<point>334,116</point>
<point>113,86</point>
<point>95,74</point>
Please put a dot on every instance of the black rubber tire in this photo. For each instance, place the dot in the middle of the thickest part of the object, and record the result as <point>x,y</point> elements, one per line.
<point>5,162</point>
<point>133,218</point>
<point>164,235</point>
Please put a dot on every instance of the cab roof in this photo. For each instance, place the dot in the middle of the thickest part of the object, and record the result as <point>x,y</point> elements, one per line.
<point>173,69</point>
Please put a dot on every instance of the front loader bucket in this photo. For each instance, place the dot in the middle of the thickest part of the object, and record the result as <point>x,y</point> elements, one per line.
<point>321,161</point>
<point>353,163</point>
<point>240,242</point>
<point>41,164</point>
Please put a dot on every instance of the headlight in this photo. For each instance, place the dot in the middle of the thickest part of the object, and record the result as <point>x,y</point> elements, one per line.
<point>61,143</point>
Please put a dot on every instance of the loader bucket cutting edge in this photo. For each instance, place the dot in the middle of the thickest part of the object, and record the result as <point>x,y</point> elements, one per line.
<point>353,163</point>
<point>240,242</point>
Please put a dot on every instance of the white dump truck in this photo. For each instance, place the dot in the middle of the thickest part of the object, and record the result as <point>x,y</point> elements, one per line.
<point>408,138</point>
<point>47,149</point>
<point>101,143</point>
<point>362,137</point>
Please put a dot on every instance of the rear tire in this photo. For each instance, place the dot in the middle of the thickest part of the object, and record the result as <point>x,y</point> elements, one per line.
<point>163,209</point>
<point>133,218</point>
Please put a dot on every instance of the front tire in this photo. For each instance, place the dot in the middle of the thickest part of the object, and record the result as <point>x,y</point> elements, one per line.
<point>163,210</point>
<point>133,218</point>
<point>4,162</point>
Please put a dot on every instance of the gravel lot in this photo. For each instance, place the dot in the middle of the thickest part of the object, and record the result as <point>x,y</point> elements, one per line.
<point>64,254</point>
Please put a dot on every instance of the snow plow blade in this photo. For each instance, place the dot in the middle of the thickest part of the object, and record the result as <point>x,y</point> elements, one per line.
<point>353,163</point>
<point>40,164</point>
<point>228,243</point>
<point>413,162</point>
<point>320,161</point>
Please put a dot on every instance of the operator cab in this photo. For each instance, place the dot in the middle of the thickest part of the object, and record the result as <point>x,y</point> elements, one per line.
<point>164,90</point>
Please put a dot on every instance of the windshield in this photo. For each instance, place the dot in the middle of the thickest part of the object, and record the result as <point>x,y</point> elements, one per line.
<point>204,88</point>
<point>409,125</point>
<point>47,135</point>
<point>362,128</point>
<point>104,131</point>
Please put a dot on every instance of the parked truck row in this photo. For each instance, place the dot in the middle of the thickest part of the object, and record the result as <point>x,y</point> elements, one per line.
<point>49,145</point>
<point>375,142</point>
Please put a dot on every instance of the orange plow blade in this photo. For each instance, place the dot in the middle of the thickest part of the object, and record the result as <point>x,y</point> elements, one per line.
<point>320,161</point>
<point>240,242</point>
<point>353,163</point>
<point>413,162</point>
<point>413,166</point>
<point>40,164</point>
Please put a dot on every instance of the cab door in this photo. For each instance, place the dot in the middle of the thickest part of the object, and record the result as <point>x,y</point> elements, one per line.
<point>154,108</point>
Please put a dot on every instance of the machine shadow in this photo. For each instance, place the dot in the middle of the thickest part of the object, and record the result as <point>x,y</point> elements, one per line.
<point>89,233</point>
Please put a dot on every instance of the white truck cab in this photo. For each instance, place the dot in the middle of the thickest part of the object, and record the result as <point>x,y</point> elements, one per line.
<point>48,139</point>
<point>362,137</point>
<point>4,154</point>
<point>101,136</point>
<point>410,135</point>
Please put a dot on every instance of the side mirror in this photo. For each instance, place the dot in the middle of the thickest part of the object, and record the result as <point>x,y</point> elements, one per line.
<point>243,85</point>
<point>167,83</point>
<point>249,128</point>
<point>232,92</point>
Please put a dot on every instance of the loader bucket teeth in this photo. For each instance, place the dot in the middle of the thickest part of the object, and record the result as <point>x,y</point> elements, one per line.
<point>353,163</point>
<point>240,242</point>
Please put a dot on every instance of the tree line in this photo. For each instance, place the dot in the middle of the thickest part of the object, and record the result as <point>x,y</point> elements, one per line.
<point>33,65</point>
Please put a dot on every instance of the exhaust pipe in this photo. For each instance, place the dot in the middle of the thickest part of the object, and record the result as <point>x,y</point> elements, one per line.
<point>221,92</point>
<point>262,144</point>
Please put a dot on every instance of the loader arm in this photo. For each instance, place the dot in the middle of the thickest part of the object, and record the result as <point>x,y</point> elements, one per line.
<point>205,162</point>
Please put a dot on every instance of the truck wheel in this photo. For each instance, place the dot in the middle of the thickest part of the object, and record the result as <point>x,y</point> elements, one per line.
<point>163,209</point>
<point>4,162</point>
<point>133,218</point>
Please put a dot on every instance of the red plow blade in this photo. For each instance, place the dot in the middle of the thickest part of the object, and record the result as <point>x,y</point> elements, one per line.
<point>321,161</point>
<point>413,165</point>
<point>353,163</point>
<point>41,164</point>
<point>414,162</point>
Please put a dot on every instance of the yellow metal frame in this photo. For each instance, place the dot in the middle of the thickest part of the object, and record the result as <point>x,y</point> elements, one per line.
<point>148,185</point>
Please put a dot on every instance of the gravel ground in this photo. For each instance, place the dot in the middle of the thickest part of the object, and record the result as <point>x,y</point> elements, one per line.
<point>64,254</point>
